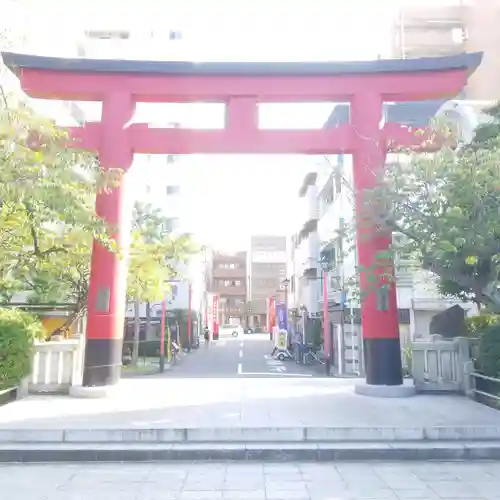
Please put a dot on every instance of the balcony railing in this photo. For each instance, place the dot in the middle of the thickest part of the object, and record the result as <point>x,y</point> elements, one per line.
<point>229,290</point>
<point>404,274</point>
<point>224,273</point>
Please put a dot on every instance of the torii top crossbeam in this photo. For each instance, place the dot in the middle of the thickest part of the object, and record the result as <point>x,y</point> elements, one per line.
<point>241,86</point>
<point>160,81</point>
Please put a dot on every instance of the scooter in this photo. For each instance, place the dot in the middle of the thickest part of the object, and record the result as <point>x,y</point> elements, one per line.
<point>281,354</point>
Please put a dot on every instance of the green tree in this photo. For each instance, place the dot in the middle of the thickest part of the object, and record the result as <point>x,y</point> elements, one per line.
<point>47,215</point>
<point>446,205</point>
<point>155,259</point>
<point>48,221</point>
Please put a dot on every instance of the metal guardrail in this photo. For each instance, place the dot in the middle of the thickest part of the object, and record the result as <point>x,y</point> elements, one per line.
<point>476,375</point>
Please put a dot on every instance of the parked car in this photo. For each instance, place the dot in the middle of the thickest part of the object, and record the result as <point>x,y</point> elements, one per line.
<point>256,329</point>
<point>230,331</point>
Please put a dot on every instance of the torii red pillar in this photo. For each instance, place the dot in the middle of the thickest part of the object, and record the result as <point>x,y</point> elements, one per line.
<point>382,348</point>
<point>108,277</point>
<point>118,84</point>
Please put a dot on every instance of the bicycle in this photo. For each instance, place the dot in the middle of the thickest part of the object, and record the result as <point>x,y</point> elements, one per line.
<point>311,358</point>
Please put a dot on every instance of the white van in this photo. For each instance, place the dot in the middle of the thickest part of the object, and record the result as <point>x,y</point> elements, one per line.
<point>230,331</point>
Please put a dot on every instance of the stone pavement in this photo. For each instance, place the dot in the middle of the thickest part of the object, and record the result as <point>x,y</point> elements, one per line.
<point>228,402</point>
<point>207,391</point>
<point>237,402</point>
<point>213,481</point>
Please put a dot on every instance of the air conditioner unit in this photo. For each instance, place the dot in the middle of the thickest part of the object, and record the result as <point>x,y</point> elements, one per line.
<point>337,296</point>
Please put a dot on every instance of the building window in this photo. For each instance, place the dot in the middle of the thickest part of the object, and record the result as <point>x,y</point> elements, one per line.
<point>172,190</point>
<point>326,196</point>
<point>338,181</point>
<point>171,224</point>
<point>231,283</point>
<point>268,283</point>
<point>108,35</point>
<point>459,35</point>
<point>225,265</point>
<point>175,35</point>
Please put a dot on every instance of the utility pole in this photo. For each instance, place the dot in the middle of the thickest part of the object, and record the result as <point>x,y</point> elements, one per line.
<point>326,324</point>
<point>190,295</point>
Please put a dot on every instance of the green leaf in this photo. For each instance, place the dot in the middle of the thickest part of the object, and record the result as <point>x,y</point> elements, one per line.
<point>471,260</point>
<point>443,210</point>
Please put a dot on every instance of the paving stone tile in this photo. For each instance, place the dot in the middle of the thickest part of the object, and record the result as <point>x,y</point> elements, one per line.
<point>213,481</point>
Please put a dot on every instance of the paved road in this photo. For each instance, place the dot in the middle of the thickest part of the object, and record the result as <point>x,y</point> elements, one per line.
<point>247,356</point>
<point>252,481</point>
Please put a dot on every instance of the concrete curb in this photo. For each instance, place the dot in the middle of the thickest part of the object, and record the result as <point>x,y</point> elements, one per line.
<point>252,434</point>
<point>277,452</point>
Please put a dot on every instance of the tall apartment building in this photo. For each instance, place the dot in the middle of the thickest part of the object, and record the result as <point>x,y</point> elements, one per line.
<point>303,250</point>
<point>451,27</point>
<point>428,31</point>
<point>267,263</point>
<point>229,282</point>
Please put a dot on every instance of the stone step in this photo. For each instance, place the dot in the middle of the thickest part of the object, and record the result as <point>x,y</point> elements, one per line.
<point>251,434</point>
<point>275,452</point>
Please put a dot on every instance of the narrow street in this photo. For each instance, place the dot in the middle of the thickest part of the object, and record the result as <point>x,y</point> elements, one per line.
<point>246,356</point>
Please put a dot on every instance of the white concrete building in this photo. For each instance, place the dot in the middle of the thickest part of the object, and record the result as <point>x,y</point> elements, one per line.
<point>163,183</point>
<point>303,249</point>
<point>161,180</point>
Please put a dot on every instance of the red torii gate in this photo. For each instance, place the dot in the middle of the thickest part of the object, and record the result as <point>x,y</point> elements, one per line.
<point>120,84</point>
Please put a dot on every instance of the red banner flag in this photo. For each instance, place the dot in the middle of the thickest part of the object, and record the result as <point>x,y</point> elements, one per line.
<point>271,314</point>
<point>215,317</point>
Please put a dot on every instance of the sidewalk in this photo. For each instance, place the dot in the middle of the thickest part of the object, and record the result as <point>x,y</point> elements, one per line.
<point>246,419</point>
<point>236,402</point>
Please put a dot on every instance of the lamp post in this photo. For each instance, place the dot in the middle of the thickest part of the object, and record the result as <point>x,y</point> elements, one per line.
<point>326,329</point>
<point>162,331</point>
<point>162,335</point>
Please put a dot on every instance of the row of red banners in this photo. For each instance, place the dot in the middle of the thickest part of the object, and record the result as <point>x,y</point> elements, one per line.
<point>215,316</point>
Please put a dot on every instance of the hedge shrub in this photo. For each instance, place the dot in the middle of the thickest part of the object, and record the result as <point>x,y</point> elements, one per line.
<point>147,348</point>
<point>488,358</point>
<point>18,329</point>
<point>476,324</point>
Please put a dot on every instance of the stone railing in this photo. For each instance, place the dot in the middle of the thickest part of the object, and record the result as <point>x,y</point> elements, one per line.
<point>57,365</point>
<point>440,365</point>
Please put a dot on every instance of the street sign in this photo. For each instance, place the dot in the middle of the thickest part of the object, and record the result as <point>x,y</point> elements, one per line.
<point>281,339</point>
